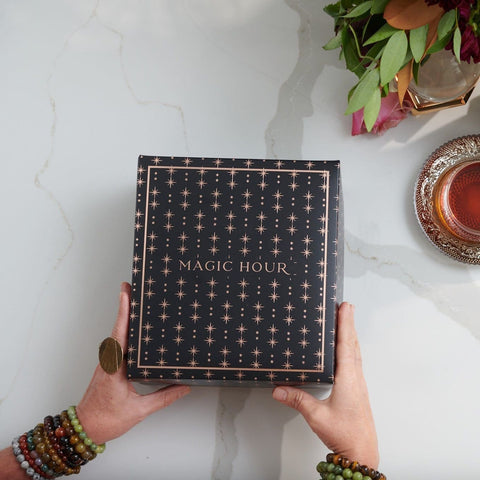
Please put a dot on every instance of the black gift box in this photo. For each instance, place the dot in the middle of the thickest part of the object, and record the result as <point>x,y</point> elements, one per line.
<point>237,271</point>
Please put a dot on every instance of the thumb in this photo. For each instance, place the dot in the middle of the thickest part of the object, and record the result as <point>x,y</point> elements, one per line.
<point>163,398</point>
<point>301,401</point>
<point>120,329</point>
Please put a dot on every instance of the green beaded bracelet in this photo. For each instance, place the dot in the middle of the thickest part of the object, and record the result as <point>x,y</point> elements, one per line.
<point>337,467</point>
<point>72,415</point>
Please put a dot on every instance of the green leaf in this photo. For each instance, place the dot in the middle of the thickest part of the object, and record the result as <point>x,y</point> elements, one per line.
<point>352,60</point>
<point>418,42</point>
<point>393,56</point>
<point>372,109</point>
<point>407,58</point>
<point>334,42</point>
<point>346,4</point>
<point>350,92</point>
<point>373,54</point>
<point>425,59</point>
<point>457,41</point>
<point>415,69</point>
<point>376,51</point>
<point>363,91</point>
<point>439,45</point>
<point>334,9</point>
<point>385,31</point>
<point>378,6</point>
<point>446,23</point>
<point>366,27</point>
<point>359,10</point>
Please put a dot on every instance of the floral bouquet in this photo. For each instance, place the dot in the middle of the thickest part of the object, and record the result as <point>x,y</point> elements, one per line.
<point>385,42</point>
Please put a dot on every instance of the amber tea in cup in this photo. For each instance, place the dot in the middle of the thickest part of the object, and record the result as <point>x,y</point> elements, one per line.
<point>457,200</point>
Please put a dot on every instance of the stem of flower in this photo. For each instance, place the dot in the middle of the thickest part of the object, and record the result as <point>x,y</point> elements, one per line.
<point>357,46</point>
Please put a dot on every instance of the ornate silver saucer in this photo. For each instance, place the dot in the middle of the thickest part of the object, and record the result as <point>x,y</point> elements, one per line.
<point>430,198</point>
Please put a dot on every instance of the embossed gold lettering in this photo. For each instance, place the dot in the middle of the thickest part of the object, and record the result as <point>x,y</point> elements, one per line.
<point>227,266</point>
<point>272,267</point>
<point>257,267</point>
<point>282,268</point>
<point>184,265</point>
<point>210,266</point>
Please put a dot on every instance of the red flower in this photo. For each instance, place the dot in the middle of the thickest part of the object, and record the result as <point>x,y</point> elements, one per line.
<point>470,49</point>
<point>391,114</point>
<point>449,4</point>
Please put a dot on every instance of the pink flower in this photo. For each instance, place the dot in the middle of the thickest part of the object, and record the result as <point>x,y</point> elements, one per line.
<point>390,115</point>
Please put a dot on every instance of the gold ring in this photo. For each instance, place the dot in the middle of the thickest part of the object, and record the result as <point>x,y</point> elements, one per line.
<point>110,355</point>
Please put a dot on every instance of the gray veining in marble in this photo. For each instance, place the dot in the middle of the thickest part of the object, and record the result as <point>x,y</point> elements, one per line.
<point>230,403</point>
<point>452,294</point>
<point>53,129</point>
<point>284,134</point>
<point>135,96</point>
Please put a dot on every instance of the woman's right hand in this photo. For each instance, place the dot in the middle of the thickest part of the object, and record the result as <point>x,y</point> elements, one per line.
<point>343,421</point>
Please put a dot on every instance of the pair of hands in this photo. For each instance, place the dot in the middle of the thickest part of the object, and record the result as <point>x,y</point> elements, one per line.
<point>344,421</point>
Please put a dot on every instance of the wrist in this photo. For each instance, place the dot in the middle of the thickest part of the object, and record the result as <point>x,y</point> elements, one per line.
<point>11,469</point>
<point>87,422</point>
<point>82,431</point>
<point>362,447</point>
<point>56,447</point>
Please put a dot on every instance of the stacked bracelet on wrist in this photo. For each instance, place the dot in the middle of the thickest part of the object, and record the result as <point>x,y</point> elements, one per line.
<point>338,467</point>
<point>58,446</point>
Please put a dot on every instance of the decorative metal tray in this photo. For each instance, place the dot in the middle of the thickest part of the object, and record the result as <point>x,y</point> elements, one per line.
<point>456,151</point>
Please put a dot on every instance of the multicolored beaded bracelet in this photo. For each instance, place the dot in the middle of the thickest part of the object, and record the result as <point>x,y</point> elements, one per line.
<point>338,467</point>
<point>64,439</point>
<point>58,446</point>
<point>58,458</point>
<point>67,436</point>
<point>38,461</point>
<point>27,446</point>
<point>29,470</point>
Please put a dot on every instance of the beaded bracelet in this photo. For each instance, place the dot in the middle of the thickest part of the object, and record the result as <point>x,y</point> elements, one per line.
<point>22,460</point>
<point>58,446</point>
<point>338,467</point>
<point>72,415</point>
<point>54,449</point>
<point>40,460</point>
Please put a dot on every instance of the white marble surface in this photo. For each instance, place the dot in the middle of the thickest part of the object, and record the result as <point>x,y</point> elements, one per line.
<point>86,87</point>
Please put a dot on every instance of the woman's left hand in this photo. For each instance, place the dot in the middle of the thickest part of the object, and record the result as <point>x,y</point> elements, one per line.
<point>111,406</point>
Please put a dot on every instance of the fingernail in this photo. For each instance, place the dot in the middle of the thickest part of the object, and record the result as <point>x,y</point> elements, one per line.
<point>280,394</point>
<point>123,290</point>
